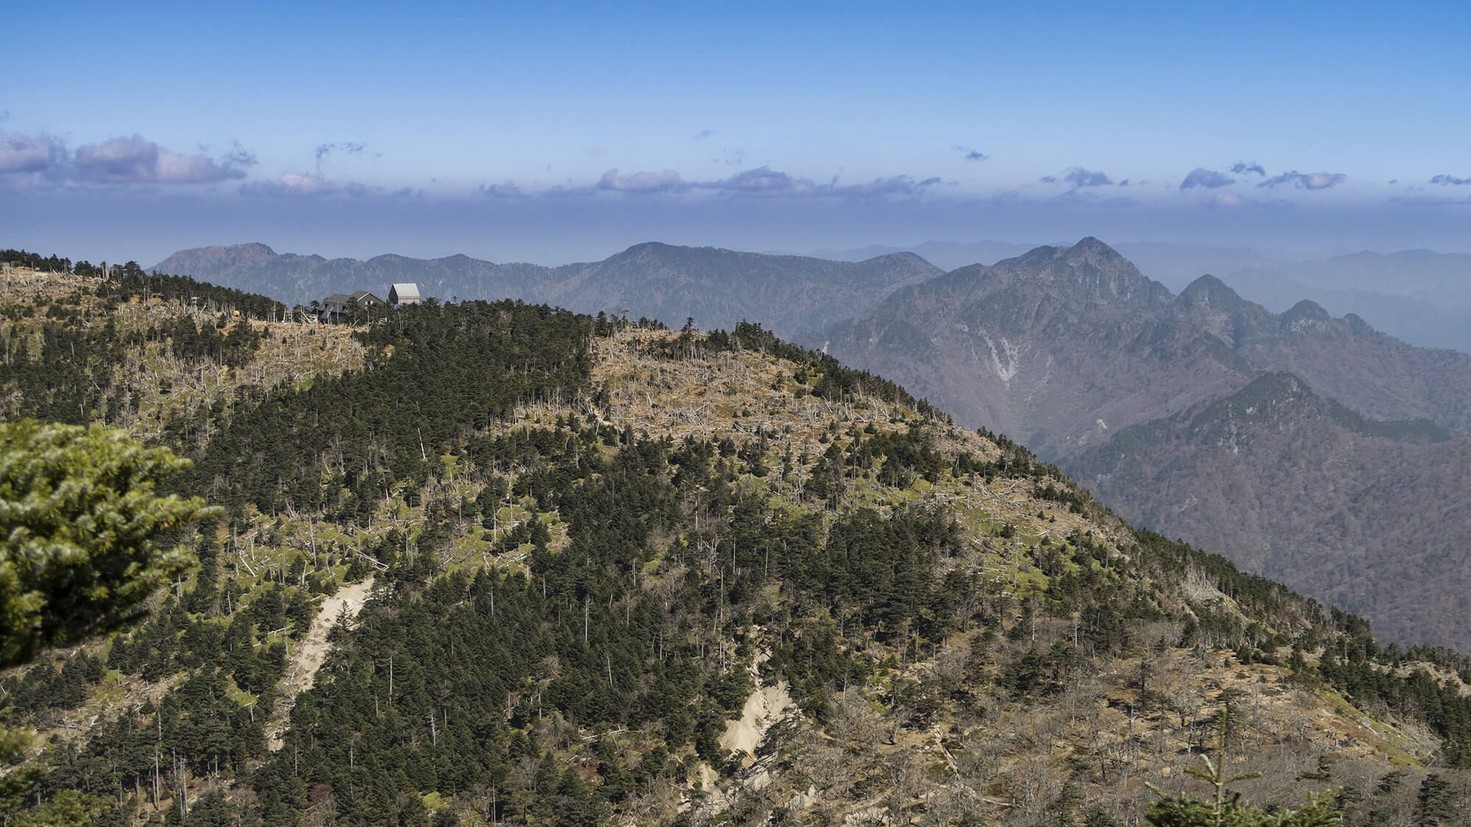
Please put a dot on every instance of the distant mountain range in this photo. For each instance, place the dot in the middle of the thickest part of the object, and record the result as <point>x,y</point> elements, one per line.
<point>717,288</point>
<point>1062,345</point>
<point>945,254</point>
<point>1420,296</point>
<point>1175,265</point>
<point>1350,489</point>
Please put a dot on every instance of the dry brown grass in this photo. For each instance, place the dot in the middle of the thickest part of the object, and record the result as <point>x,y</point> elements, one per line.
<point>735,394</point>
<point>164,385</point>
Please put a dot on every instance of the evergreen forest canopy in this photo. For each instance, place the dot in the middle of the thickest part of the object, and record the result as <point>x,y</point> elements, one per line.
<point>569,603</point>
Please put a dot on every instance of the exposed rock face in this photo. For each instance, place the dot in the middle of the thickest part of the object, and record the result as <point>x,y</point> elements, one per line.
<point>1043,345</point>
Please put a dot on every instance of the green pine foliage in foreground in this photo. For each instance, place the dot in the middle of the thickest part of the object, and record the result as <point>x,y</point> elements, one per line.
<point>566,614</point>
<point>84,538</point>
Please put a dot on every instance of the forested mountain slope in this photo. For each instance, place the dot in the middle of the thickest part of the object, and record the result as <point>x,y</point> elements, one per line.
<point>1369,515</point>
<point>1083,359</point>
<point>631,575</point>
<point>163,356</point>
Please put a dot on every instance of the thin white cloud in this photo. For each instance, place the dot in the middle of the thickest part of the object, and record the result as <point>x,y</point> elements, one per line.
<point>1306,180</point>
<point>731,157</point>
<point>117,161</point>
<point>136,160</point>
<point>759,180</point>
<point>664,181</point>
<point>291,184</point>
<point>771,182</point>
<point>1207,178</point>
<point>238,156</point>
<point>27,153</point>
<point>894,185</point>
<point>343,148</point>
<point>1078,177</point>
<point>507,189</point>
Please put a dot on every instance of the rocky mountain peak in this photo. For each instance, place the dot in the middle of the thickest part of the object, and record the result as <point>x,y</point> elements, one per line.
<point>1274,397</point>
<point>1094,250</point>
<point>201,260</point>
<point>1359,327</point>
<point>1304,315</point>
<point>252,249</point>
<point>1306,309</point>
<point>1212,293</point>
<point>1090,268</point>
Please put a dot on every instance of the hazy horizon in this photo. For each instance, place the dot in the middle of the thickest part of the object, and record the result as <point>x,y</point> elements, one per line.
<point>571,131</point>
<point>1279,254</point>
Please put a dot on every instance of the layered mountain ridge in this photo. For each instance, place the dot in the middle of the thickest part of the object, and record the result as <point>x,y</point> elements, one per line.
<point>716,287</point>
<point>1416,295</point>
<point>1053,325</point>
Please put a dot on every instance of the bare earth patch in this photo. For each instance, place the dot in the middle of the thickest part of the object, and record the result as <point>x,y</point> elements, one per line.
<point>311,653</point>
<point>764,707</point>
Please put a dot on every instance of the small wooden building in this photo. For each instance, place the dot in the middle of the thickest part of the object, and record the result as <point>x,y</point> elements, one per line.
<point>338,307</point>
<point>404,293</point>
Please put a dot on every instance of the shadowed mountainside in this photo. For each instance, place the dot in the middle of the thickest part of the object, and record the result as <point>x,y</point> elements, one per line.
<point>1367,515</point>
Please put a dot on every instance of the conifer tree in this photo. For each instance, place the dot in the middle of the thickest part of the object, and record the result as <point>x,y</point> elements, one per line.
<point>82,531</point>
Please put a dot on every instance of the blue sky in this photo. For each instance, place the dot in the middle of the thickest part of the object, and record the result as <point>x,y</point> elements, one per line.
<point>572,130</point>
